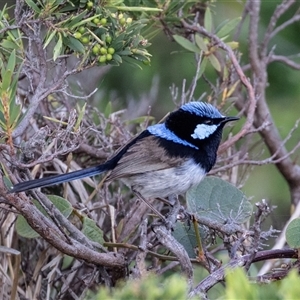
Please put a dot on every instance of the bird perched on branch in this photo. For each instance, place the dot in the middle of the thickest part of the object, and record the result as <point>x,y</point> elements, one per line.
<point>164,159</point>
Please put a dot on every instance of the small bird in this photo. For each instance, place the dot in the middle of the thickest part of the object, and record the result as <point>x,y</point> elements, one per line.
<point>165,159</point>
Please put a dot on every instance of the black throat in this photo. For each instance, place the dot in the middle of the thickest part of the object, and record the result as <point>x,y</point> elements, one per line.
<point>183,124</point>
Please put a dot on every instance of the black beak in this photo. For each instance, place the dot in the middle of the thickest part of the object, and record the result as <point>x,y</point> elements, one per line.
<point>229,119</point>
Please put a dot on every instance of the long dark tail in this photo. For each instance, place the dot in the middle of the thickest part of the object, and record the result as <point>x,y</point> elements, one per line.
<point>56,179</point>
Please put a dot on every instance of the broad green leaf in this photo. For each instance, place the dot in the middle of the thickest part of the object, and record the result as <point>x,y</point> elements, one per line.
<point>228,27</point>
<point>64,206</point>
<point>117,58</point>
<point>24,229</point>
<point>6,80</point>
<point>74,20</point>
<point>219,200</point>
<point>208,20</point>
<point>239,287</point>
<point>185,43</point>
<point>74,44</point>
<point>92,231</point>
<point>11,61</point>
<point>6,44</point>
<point>49,38</point>
<point>214,62</point>
<point>185,235</point>
<point>32,4</point>
<point>293,233</point>
<point>201,43</point>
<point>58,47</point>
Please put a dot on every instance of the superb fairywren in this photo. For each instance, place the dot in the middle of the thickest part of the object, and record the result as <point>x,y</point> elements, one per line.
<point>164,159</point>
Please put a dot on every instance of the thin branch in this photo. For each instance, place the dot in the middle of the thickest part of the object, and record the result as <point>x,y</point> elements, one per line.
<point>271,32</point>
<point>285,60</point>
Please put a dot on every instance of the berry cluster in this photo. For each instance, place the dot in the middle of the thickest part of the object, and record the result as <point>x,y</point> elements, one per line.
<point>100,35</point>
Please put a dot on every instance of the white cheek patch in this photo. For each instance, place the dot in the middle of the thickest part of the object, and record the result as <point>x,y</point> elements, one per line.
<point>203,131</point>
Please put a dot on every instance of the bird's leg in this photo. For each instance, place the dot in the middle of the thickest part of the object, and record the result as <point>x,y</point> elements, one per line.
<point>149,205</point>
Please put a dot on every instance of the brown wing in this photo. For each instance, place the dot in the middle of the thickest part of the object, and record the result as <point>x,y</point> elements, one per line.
<point>144,156</point>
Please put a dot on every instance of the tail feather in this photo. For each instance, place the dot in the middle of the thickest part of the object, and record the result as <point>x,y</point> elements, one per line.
<point>57,179</point>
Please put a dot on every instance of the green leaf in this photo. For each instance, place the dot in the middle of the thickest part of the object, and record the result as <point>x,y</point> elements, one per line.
<point>25,230</point>
<point>185,235</point>
<point>32,5</point>
<point>293,233</point>
<point>219,200</point>
<point>202,67</point>
<point>58,47</point>
<point>126,51</point>
<point>117,58</point>
<point>76,19</point>
<point>6,44</point>
<point>228,27</point>
<point>74,44</point>
<point>6,79</point>
<point>185,43</point>
<point>239,287</point>
<point>214,62</point>
<point>11,64</point>
<point>92,231</point>
<point>208,20</point>
<point>49,39</point>
<point>61,204</point>
<point>108,110</point>
<point>73,24</point>
<point>290,287</point>
<point>201,43</point>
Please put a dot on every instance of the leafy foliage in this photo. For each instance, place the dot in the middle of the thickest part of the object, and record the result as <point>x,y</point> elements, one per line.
<point>220,201</point>
<point>149,287</point>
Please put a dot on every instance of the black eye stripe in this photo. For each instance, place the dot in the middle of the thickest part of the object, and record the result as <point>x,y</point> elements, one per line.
<point>214,121</point>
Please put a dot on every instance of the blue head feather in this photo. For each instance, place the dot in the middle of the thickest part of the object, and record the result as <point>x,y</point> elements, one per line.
<point>162,131</point>
<point>202,109</point>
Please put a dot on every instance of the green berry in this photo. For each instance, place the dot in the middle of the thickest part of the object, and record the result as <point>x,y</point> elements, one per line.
<point>96,49</point>
<point>129,20</point>
<point>96,21</point>
<point>103,50</point>
<point>85,40</point>
<point>102,59</point>
<point>123,21</point>
<point>103,21</point>
<point>77,35</point>
<point>108,39</point>
<point>89,4</point>
<point>111,50</point>
<point>81,29</point>
<point>120,16</point>
<point>109,56</point>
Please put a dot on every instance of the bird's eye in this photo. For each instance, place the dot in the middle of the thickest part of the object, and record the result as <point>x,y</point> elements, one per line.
<point>208,122</point>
